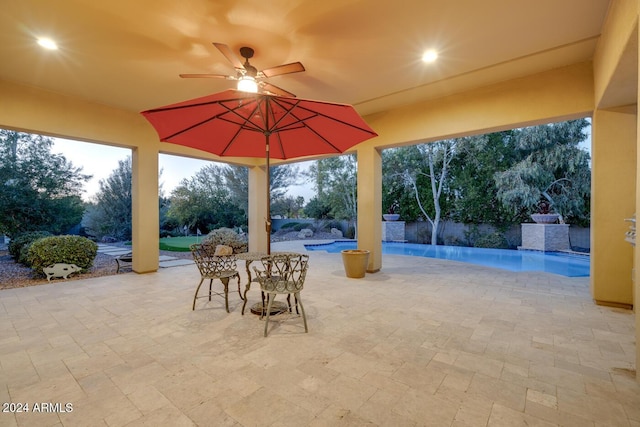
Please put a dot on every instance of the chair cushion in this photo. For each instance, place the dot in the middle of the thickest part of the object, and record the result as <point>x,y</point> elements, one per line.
<point>222,250</point>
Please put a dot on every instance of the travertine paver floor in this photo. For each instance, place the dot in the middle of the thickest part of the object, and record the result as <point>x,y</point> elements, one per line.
<point>423,342</point>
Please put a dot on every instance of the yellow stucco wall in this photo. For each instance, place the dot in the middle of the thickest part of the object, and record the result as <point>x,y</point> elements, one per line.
<point>614,90</point>
<point>613,171</point>
<point>257,209</point>
<point>636,258</point>
<point>621,22</point>
<point>48,113</point>
<point>369,184</point>
<point>559,94</point>
<point>145,223</point>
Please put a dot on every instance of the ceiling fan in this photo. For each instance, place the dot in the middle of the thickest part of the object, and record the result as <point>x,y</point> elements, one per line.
<point>248,77</point>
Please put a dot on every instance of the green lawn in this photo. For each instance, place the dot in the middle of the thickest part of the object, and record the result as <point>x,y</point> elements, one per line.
<point>178,244</point>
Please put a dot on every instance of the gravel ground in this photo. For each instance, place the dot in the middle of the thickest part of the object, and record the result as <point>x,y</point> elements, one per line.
<point>14,275</point>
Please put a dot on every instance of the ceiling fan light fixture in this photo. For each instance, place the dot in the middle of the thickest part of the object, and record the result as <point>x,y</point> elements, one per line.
<point>247,84</point>
<point>47,43</point>
<point>430,56</point>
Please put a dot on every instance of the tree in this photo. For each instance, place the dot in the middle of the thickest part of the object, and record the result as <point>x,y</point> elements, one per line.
<point>316,208</point>
<point>282,177</point>
<point>395,195</point>
<point>478,158</point>
<point>334,180</point>
<point>237,182</point>
<point>110,210</point>
<point>423,171</point>
<point>288,206</point>
<point>168,226</point>
<point>436,158</point>
<point>40,190</point>
<point>203,202</point>
<point>553,169</point>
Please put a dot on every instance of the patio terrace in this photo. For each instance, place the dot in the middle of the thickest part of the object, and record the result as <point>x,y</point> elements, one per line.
<point>423,342</point>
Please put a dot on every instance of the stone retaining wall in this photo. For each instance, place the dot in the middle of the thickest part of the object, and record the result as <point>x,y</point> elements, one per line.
<point>451,232</point>
<point>545,237</point>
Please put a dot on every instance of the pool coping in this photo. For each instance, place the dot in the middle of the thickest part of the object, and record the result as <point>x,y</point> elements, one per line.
<point>567,252</point>
<point>316,247</point>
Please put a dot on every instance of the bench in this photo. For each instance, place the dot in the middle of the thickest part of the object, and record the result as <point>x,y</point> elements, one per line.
<point>124,258</point>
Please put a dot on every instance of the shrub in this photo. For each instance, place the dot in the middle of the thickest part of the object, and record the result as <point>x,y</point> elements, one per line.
<point>300,227</point>
<point>170,233</point>
<point>19,245</point>
<point>454,241</point>
<point>290,225</point>
<point>227,237</point>
<point>472,234</point>
<point>351,232</point>
<point>332,224</point>
<point>423,234</point>
<point>494,240</point>
<point>66,249</point>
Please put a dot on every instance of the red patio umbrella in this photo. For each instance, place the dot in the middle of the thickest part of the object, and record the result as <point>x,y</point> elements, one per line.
<point>242,124</point>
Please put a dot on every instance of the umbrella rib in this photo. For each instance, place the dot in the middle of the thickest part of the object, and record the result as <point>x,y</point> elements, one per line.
<point>289,107</point>
<point>242,126</point>
<point>244,119</point>
<point>288,112</point>
<point>178,107</point>
<point>329,143</point>
<point>218,116</point>
<point>270,129</point>
<point>335,119</point>
<point>193,126</point>
<point>303,122</point>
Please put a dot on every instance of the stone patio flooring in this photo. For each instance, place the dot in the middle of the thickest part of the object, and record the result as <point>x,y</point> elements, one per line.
<point>423,342</point>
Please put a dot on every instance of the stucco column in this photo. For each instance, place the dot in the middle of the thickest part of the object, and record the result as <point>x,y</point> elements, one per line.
<point>145,218</point>
<point>613,190</point>
<point>370,205</point>
<point>257,209</point>
<point>636,251</point>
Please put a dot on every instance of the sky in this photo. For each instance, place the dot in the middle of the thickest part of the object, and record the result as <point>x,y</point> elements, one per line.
<point>101,160</point>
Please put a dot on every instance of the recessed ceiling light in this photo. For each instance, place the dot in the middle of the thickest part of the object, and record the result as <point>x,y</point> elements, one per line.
<point>47,43</point>
<point>430,56</point>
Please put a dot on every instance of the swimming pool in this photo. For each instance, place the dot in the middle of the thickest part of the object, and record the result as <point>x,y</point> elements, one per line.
<point>569,265</point>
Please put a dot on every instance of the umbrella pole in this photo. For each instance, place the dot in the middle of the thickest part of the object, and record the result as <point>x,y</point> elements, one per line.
<point>268,219</point>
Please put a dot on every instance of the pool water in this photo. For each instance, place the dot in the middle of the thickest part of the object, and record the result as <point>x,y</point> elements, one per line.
<point>569,265</point>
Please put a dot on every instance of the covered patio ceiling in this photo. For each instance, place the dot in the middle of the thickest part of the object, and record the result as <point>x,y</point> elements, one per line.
<point>128,55</point>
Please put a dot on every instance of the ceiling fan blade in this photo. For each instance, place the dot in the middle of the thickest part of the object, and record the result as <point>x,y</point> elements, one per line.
<point>206,76</point>
<point>294,67</point>
<point>228,53</point>
<point>268,87</point>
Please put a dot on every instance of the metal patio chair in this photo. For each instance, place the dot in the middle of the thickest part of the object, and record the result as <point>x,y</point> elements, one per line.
<point>213,266</point>
<point>282,274</point>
